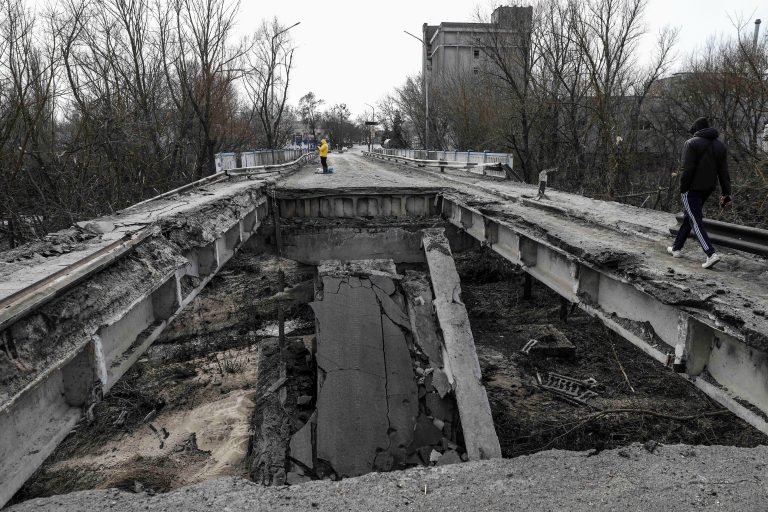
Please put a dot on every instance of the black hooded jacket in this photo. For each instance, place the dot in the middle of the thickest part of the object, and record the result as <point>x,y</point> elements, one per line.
<point>705,163</point>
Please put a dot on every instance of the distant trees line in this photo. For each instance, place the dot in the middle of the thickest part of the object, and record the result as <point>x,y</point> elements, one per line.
<point>334,122</point>
<point>576,95</point>
<point>106,102</point>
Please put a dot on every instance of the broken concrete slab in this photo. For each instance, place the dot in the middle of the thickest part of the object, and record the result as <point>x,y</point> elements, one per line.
<point>392,309</point>
<point>472,400</point>
<point>439,407</point>
<point>420,313</point>
<point>383,283</point>
<point>402,394</point>
<point>302,443</point>
<point>441,383</point>
<point>97,226</point>
<point>385,268</point>
<point>425,433</point>
<point>352,421</point>
<point>349,330</point>
<point>549,341</point>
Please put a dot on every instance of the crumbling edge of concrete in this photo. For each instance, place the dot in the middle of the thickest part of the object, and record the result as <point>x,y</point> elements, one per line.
<point>460,356</point>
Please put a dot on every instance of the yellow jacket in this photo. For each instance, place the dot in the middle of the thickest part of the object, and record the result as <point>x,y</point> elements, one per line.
<point>323,149</point>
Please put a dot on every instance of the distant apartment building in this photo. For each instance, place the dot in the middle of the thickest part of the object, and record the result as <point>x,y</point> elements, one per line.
<point>458,47</point>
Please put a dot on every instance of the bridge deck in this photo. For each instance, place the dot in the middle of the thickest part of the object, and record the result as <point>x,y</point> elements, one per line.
<point>17,273</point>
<point>632,240</point>
<point>608,258</point>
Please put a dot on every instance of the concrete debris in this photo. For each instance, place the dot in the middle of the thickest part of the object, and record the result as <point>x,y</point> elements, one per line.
<point>391,309</point>
<point>441,383</point>
<point>425,433</point>
<point>421,316</point>
<point>367,377</point>
<point>460,355</point>
<point>304,400</point>
<point>277,384</point>
<point>568,388</point>
<point>293,478</point>
<point>550,342</point>
<point>383,283</point>
<point>441,408</point>
<point>96,226</point>
<point>366,268</point>
<point>301,445</point>
<point>449,457</point>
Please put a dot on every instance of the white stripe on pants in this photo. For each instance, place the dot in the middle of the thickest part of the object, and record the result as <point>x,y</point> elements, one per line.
<point>693,222</point>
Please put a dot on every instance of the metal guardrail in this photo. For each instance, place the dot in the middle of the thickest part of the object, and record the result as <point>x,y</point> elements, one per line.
<point>735,236</point>
<point>251,159</point>
<point>493,169</point>
<point>476,157</point>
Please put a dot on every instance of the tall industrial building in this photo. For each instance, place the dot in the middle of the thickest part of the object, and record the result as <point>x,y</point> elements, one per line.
<point>458,47</point>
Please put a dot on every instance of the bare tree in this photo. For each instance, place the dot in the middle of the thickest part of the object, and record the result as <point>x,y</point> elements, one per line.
<point>269,71</point>
<point>309,110</point>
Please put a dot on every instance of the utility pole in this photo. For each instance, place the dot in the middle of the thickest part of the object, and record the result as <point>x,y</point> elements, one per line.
<point>426,91</point>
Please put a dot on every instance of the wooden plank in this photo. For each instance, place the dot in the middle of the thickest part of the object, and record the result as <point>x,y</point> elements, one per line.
<point>460,355</point>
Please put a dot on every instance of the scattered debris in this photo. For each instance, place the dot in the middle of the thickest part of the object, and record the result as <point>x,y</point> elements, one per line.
<point>568,388</point>
<point>551,342</point>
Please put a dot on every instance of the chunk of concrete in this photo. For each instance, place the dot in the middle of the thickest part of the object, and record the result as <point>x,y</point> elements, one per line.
<point>549,341</point>
<point>461,358</point>
<point>301,445</point>
<point>425,434</point>
<point>420,315</point>
<point>438,407</point>
<point>97,226</point>
<point>449,457</point>
<point>385,284</point>
<point>441,383</point>
<point>392,309</point>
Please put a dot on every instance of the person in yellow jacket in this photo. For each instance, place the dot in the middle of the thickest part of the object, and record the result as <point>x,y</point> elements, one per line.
<point>323,150</point>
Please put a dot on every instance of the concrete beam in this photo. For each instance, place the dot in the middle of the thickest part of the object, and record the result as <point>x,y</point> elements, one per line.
<point>460,357</point>
<point>719,362</point>
<point>36,418</point>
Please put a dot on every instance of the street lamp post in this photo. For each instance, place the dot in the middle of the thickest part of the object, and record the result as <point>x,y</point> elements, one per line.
<point>370,132</point>
<point>426,91</point>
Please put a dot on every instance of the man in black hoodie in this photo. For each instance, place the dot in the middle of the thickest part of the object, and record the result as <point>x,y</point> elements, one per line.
<point>704,164</point>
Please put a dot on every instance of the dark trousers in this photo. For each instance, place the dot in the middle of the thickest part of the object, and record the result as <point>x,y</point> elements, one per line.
<point>693,202</point>
<point>324,163</point>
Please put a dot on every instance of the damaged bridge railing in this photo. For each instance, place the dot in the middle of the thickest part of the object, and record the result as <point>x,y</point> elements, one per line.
<point>73,325</point>
<point>496,165</point>
<point>736,236</point>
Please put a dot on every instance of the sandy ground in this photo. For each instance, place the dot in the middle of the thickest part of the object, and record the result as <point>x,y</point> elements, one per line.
<point>671,478</point>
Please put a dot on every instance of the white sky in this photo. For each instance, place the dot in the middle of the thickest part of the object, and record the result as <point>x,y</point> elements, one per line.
<point>355,52</point>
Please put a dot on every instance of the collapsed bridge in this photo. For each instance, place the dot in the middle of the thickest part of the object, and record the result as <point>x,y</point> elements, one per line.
<point>96,297</point>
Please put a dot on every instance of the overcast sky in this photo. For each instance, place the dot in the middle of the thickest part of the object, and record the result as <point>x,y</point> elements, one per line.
<point>355,52</point>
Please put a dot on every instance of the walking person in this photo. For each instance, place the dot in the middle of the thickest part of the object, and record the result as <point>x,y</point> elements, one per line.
<point>323,150</point>
<point>705,164</point>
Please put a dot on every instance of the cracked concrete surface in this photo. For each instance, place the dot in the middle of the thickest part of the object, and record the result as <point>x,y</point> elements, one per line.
<point>367,401</point>
<point>377,409</point>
